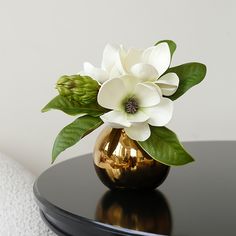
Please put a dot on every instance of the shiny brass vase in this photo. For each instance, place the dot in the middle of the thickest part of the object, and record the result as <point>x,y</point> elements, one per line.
<point>120,163</point>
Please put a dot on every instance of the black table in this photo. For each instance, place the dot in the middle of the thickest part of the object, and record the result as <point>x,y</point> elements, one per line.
<point>196,200</point>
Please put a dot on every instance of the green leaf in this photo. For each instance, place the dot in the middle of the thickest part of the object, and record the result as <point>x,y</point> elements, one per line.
<point>172,45</point>
<point>164,146</point>
<point>189,75</point>
<point>73,133</point>
<point>72,107</point>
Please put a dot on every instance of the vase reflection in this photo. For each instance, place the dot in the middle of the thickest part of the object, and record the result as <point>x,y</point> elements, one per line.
<point>142,211</point>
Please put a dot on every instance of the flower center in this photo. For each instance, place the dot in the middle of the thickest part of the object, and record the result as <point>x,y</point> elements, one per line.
<point>131,106</point>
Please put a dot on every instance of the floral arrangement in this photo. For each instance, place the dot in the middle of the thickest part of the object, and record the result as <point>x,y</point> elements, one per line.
<point>133,90</point>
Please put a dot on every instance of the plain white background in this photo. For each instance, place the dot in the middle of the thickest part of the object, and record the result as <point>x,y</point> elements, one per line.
<point>41,40</point>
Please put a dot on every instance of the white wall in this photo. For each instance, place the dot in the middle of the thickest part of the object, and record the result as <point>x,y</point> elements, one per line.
<point>41,40</point>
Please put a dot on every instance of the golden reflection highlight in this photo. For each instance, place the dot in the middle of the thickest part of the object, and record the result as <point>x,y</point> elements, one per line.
<point>142,211</point>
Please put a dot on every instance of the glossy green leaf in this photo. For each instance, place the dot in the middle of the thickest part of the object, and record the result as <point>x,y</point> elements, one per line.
<point>164,146</point>
<point>73,133</point>
<point>189,74</point>
<point>172,45</point>
<point>72,107</point>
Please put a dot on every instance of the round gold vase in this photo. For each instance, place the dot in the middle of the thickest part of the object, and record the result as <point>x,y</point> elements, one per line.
<point>121,164</point>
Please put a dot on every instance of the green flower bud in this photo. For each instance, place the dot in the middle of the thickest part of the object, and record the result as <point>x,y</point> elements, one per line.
<point>82,89</point>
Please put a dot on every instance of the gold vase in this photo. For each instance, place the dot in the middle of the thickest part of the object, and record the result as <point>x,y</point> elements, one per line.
<point>120,163</point>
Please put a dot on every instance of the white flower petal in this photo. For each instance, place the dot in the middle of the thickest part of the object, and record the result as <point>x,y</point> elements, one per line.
<point>130,83</point>
<point>147,94</point>
<point>111,93</point>
<point>161,114</point>
<point>123,52</point>
<point>95,73</point>
<point>110,56</point>
<point>159,56</point>
<point>145,72</point>
<point>115,72</point>
<point>139,116</point>
<point>170,79</point>
<point>168,83</point>
<point>119,63</point>
<point>146,54</point>
<point>116,119</point>
<point>133,57</point>
<point>155,86</point>
<point>138,132</point>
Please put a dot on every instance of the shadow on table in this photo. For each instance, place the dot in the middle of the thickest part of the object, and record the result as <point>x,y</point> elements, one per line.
<point>142,211</point>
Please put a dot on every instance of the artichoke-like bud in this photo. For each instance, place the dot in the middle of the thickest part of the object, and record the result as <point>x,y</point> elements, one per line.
<point>82,89</point>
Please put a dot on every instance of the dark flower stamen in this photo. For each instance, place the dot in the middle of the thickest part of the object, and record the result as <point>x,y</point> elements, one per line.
<point>131,106</point>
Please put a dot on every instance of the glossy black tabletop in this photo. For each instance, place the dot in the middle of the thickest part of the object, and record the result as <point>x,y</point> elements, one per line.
<point>196,199</point>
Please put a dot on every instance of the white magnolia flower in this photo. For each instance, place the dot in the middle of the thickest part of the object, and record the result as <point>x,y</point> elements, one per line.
<point>134,106</point>
<point>147,65</point>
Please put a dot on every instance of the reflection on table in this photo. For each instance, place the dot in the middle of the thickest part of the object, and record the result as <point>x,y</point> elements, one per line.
<point>143,211</point>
